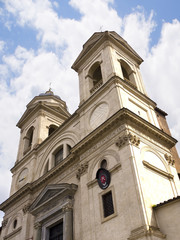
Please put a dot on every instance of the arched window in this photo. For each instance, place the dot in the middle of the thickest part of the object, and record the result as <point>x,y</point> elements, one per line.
<point>52,128</point>
<point>125,74</point>
<point>28,139</point>
<point>104,164</point>
<point>58,155</point>
<point>95,75</point>
<point>128,74</point>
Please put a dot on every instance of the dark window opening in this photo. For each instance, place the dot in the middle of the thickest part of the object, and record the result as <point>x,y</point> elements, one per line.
<point>56,232</point>
<point>30,138</point>
<point>108,206</point>
<point>58,156</point>
<point>15,223</point>
<point>52,128</point>
<point>97,76</point>
<point>125,74</point>
<point>104,164</point>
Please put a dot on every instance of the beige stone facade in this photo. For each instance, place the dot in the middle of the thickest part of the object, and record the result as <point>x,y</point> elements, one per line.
<point>55,192</point>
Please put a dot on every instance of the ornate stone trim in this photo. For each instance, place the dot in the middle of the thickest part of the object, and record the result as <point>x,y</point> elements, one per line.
<point>4,222</point>
<point>130,137</point>
<point>67,207</point>
<point>146,231</point>
<point>169,159</point>
<point>98,85</point>
<point>37,225</point>
<point>158,170</point>
<point>93,182</point>
<point>26,208</point>
<point>134,139</point>
<point>13,233</point>
<point>82,170</point>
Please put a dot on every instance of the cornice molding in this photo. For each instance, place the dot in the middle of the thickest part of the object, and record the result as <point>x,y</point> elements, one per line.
<point>13,233</point>
<point>42,181</point>
<point>158,170</point>
<point>116,80</point>
<point>123,116</point>
<point>42,107</point>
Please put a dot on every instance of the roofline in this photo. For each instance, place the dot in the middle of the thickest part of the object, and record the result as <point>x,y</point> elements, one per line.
<point>167,202</point>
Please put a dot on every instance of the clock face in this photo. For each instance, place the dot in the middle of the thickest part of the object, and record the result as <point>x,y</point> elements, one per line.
<point>103,177</point>
<point>22,179</point>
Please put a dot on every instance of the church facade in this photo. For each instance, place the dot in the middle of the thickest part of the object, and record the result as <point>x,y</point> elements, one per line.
<point>108,171</point>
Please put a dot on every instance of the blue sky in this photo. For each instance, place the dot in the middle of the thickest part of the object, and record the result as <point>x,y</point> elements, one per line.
<point>40,39</point>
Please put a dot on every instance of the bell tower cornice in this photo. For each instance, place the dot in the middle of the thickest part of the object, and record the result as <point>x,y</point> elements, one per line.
<point>107,38</point>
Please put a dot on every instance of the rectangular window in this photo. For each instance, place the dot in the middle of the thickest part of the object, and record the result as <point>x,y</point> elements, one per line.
<point>56,232</point>
<point>108,206</point>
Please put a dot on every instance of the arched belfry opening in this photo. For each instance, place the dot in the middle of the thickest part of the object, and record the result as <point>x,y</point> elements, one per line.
<point>52,128</point>
<point>95,75</point>
<point>28,139</point>
<point>128,73</point>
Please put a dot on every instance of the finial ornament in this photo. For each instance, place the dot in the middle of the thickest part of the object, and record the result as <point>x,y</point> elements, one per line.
<point>50,89</point>
<point>100,29</point>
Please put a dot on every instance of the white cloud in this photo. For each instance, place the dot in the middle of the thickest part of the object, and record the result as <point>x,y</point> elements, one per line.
<point>137,30</point>
<point>2,45</point>
<point>34,70</point>
<point>161,73</point>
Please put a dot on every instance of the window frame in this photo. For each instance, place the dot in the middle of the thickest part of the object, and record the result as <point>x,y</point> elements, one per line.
<point>101,194</point>
<point>51,223</point>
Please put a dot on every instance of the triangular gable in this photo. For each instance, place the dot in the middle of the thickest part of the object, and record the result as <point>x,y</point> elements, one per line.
<point>50,193</point>
<point>96,37</point>
<point>46,106</point>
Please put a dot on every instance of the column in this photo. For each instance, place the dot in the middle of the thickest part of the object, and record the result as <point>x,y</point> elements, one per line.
<point>38,231</point>
<point>68,224</point>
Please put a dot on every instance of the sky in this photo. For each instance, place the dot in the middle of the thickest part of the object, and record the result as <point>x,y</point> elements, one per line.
<point>40,40</point>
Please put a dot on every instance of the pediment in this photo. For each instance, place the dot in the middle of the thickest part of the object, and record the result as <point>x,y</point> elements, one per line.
<point>54,108</point>
<point>50,194</point>
<point>107,35</point>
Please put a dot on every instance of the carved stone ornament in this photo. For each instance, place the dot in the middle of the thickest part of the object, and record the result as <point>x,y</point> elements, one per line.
<point>81,170</point>
<point>132,138</point>
<point>169,159</point>
<point>37,225</point>
<point>26,208</point>
<point>67,207</point>
<point>4,222</point>
<point>145,231</point>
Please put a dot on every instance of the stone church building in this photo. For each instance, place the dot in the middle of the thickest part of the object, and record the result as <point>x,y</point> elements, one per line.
<point>108,171</point>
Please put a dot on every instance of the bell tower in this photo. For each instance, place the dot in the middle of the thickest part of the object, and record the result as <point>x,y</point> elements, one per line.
<point>106,171</point>
<point>44,114</point>
<point>104,56</point>
<point>110,79</point>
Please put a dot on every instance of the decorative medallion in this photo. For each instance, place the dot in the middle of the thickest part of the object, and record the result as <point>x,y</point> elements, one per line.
<point>103,177</point>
